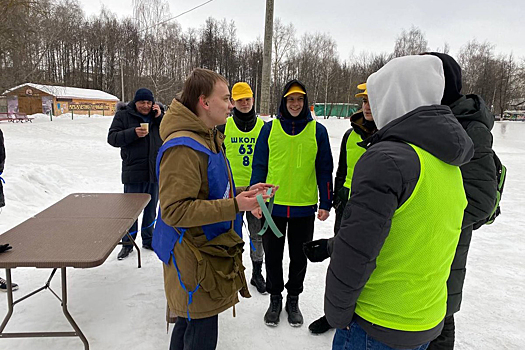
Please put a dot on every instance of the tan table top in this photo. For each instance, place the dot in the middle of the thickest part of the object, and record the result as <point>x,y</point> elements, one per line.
<point>80,230</point>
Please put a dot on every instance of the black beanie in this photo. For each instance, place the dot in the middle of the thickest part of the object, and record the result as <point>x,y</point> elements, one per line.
<point>452,72</point>
<point>143,94</point>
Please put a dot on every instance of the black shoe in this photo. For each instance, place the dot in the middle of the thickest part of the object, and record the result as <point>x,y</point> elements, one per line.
<point>124,252</point>
<point>295,317</point>
<point>257,277</point>
<point>319,326</point>
<point>3,285</point>
<point>147,246</point>
<point>272,316</point>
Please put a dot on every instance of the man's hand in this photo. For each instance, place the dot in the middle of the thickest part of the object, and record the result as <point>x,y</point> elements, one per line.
<point>323,214</point>
<point>262,188</point>
<point>247,200</point>
<point>316,251</point>
<point>141,132</point>
<point>157,110</point>
<point>4,247</point>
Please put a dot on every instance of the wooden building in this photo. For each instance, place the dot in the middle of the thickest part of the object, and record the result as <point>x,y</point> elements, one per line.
<point>32,98</point>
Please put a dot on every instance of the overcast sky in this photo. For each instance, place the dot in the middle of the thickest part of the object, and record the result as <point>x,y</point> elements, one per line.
<point>358,26</point>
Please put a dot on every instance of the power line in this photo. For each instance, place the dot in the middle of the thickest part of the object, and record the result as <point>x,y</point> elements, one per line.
<point>171,18</point>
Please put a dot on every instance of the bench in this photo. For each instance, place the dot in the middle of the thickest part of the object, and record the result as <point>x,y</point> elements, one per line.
<point>16,117</point>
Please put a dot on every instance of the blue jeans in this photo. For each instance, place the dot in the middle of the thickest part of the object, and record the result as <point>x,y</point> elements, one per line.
<point>356,338</point>
<point>150,211</point>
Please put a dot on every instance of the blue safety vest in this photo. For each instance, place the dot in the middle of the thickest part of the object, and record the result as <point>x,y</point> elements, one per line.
<point>219,174</point>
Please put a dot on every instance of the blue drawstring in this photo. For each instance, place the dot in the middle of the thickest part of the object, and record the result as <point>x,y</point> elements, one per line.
<point>143,228</point>
<point>184,287</point>
<point>1,178</point>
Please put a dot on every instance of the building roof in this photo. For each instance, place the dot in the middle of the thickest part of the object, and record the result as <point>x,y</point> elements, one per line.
<point>69,92</point>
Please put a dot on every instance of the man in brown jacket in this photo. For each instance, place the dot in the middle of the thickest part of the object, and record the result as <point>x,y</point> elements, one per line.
<point>203,270</point>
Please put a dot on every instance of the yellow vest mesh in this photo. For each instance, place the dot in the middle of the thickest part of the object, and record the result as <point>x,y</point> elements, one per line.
<point>353,153</point>
<point>291,165</point>
<point>239,150</point>
<point>407,290</point>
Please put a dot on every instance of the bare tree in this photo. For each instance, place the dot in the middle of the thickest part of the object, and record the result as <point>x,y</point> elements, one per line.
<point>411,42</point>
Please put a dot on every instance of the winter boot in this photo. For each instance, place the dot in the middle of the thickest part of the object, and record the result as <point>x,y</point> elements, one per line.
<point>295,317</point>
<point>124,252</point>
<point>319,326</point>
<point>272,316</point>
<point>257,277</point>
<point>3,285</point>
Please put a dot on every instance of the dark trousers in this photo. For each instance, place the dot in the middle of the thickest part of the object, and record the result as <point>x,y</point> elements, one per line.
<point>254,226</point>
<point>300,230</point>
<point>197,334</point>
<point>150,212</point>
<point>445,341</point>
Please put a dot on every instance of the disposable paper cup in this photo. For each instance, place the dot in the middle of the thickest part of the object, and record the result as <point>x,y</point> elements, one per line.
<point>145,126</point>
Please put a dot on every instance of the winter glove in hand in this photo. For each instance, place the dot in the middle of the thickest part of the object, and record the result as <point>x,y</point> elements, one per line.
<point>4,247</point>
<point>316,251</point>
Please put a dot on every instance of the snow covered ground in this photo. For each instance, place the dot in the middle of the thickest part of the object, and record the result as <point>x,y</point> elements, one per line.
<point>118,306</point>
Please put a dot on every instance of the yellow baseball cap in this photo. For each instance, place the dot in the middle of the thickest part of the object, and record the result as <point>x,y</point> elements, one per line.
<point>295,89</point>
<point>362,93</point>
<point>241,90</point>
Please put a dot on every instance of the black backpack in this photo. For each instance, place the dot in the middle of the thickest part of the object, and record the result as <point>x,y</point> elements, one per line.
<point>501,175</point>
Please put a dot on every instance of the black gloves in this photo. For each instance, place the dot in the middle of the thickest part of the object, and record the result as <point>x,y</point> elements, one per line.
<point>316,251</point>
<point>4,247</point>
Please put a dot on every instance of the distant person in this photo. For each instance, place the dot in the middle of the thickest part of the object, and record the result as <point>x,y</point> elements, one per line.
<point>135,129</point>
<point>479,180</point>
<point>3,247</point>
<point>199,232</point>
<point>352,149</point>
<point>292,151</point>
<point>386,282</point>
<point>240,134</point>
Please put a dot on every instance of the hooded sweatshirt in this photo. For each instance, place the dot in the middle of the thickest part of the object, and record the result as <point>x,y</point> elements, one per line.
<point>323,162</point>
<point>385,177</point>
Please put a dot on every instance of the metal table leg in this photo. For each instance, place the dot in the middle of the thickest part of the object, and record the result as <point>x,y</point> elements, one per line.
<point>9,300</point>
<point>66,312</point>
<point>11,303</point>
<point>135,245</point>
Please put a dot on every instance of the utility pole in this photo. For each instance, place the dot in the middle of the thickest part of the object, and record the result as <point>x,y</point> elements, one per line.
<point>122,79</point>
<point>267,59</point>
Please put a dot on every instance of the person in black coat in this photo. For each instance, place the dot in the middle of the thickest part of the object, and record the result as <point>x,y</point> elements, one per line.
<point>479,180</point>
<point>135,129</point>
<point>2,161</point>
<point>4,247</point>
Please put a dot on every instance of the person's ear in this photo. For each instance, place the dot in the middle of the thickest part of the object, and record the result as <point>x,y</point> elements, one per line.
<point>203,102</point>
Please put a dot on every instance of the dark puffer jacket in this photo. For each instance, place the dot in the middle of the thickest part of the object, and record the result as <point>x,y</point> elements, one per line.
<point>2,161</point>
<point>479,175</point>
<point>479,180</point>
<point>138,153</point>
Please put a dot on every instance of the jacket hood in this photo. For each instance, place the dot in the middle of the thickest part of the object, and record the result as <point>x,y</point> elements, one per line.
<point>433,128</point>
<point>404,84</point>
<point>283,111</point>
<point>180,118</point>
<point>472,108</point>
<point>452,72</point>
<point>365,128</point>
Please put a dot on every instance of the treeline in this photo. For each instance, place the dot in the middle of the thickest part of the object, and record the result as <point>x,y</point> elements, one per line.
<point>53,42</point>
